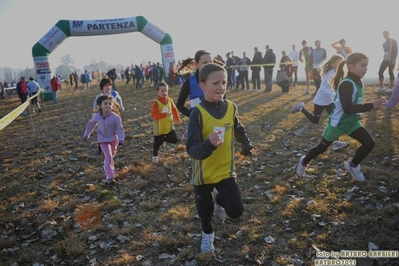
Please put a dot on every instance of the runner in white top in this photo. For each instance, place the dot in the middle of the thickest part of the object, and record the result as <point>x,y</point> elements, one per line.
<point>294,55</point>
<point>324,99</point>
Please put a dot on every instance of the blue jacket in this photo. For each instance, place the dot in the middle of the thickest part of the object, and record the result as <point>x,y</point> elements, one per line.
<point>391,49</point>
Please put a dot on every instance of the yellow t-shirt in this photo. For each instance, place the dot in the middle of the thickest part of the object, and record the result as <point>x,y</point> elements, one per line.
<point>220,165</point>
<point>165,125</point>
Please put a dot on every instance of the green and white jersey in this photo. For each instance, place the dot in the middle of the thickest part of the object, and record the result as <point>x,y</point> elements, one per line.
<point>337,117</point>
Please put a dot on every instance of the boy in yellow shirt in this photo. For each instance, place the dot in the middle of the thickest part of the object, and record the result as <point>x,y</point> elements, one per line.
<point>212,128</point>
<point>164,114</point>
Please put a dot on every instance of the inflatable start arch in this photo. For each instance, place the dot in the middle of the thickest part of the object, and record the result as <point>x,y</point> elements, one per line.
<point>66,28</point>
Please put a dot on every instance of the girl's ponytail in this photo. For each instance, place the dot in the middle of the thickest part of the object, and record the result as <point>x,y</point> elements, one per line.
<point>339,75</point>
<point>187,66</point>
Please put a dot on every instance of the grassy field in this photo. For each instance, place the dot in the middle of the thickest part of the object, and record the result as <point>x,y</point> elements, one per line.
<point>56,211</point>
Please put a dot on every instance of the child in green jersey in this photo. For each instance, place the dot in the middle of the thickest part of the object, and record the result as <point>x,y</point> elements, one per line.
<point>345,117</point>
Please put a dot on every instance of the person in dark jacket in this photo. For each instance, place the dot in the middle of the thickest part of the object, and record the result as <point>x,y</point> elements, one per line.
<point>75,79</point>
<point>127,75</point>
<point>157,73</point>
<point>270,60</point>
<point>257,60</point>
<point>112,75</point>
<point>285,65</point>
<point>138,75</point>
<point>229,69</point>
<point>22,91</point>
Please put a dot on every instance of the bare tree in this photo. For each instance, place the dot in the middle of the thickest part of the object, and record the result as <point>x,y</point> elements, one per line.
<point>67,60</point>
<point>8,74</point>
<point>93,60</point>
<point>27,72</point>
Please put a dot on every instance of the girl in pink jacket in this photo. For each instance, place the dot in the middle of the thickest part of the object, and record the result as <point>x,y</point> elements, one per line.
<point>110,132</point>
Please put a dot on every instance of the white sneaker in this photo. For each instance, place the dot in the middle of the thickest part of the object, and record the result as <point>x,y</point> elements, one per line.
<point>297,107</point>
<point>355,171</point>
<point>300,168</point>
<point>207,242</point>
<point>154,159</point>
<point>381,89</point>
<point>389,90</point>
<point>339,145</point>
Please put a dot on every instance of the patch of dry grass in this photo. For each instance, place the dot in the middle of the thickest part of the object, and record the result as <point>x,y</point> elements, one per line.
<point>88,216</point>
<point>51,182</point>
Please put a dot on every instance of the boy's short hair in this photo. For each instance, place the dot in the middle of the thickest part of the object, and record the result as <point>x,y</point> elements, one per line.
<point>162,84</point>
<point>105,81</point>
<point>208,69</point>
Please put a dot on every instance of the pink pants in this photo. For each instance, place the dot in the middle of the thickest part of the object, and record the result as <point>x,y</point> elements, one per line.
<point>109,150</point>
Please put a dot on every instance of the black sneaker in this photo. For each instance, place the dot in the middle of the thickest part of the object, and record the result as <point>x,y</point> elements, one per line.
<point>110,181</point>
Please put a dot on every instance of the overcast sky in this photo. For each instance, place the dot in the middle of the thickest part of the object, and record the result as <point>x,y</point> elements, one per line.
<point>217,26</point>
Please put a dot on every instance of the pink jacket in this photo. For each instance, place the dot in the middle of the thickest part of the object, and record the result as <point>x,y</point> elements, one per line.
<point>109,128</point>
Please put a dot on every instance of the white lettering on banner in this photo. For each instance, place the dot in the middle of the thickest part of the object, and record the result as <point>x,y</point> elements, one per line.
<point>102,26</point>
<point>153,32</point>
<point>52,39</point>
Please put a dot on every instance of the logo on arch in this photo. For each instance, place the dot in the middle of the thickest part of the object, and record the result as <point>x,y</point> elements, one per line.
<point>77,24</point>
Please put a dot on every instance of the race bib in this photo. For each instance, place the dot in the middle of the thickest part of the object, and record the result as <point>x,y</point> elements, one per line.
<point>223,129</point>
<point>194,102</point>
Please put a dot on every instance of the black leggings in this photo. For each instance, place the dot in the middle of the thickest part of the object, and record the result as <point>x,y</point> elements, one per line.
<point>294,74</point>
<point>361,135</point>
<point>318,109</point>
<point>171,137</point>
<point>229,198</point>
<point>384,65</point>
<point>316,78</point>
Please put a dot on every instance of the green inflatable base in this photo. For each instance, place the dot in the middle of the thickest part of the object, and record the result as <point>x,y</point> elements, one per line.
<point>46,96</point>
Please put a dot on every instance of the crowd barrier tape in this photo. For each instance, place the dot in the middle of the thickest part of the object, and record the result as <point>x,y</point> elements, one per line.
<point>258,65</point>
<point>242,66</point>
<point>12,88</point>
<point>6,120</point>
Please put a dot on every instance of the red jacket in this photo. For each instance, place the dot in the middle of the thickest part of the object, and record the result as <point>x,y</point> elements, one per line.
<point>21,88</point>
<point>55,84</point>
